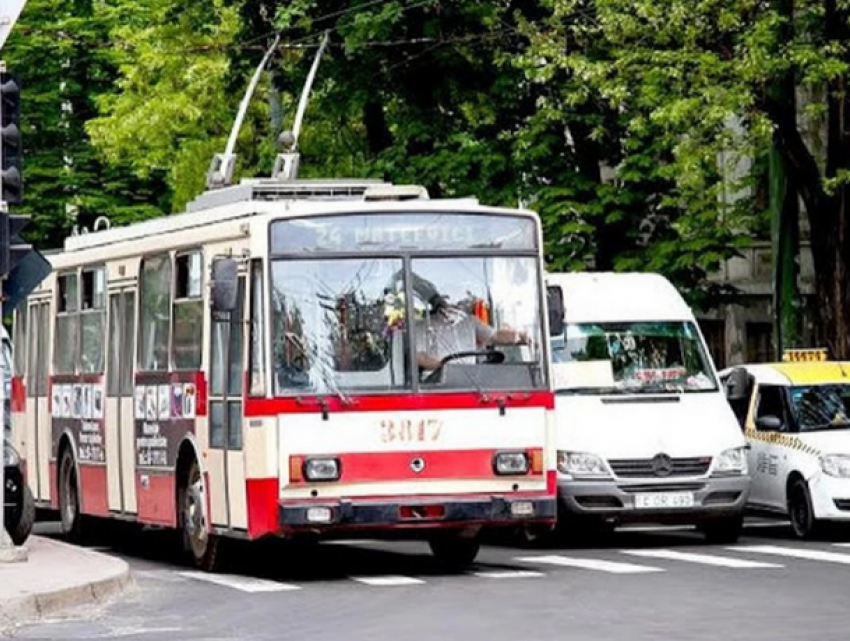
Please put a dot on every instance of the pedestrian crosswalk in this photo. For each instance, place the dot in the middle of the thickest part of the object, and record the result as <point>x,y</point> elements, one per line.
<point>779,558</point>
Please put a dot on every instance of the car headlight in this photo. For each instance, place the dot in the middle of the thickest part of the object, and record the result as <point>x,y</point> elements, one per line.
<point>582,464</point>
<point>506,463</point>
<point>732,461</point>
<point>837,465</point>
<point>10,456</point>
<point>321,469</point>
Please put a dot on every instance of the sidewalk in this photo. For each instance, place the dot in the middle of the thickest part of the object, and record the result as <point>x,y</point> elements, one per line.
<point>56,576</point>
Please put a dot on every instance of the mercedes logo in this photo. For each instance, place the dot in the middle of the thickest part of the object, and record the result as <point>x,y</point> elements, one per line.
<point>662,465</point>
<point>417,465</point>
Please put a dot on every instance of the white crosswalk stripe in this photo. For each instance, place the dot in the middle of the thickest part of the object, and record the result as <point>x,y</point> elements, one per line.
<point>589,564</point>
<point>705,559</point>
<point>797,553</point>
<point>509,574</point>
<point>387,581</point>
<point>243,583</point>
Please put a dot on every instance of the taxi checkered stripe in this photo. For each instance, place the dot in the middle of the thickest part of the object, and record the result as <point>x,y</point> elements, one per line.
<point>784,440</point>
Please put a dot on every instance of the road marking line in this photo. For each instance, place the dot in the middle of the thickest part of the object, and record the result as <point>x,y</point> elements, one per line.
<point>797,553</point>
<point>243,583</point>
<point>508,574</point>
<point>590,564</point>
<point>354,542</point>
<point>707,559</point>
<point>387,581</point>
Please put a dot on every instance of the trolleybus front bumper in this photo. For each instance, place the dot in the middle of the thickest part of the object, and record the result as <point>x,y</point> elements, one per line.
<point>430,512</point>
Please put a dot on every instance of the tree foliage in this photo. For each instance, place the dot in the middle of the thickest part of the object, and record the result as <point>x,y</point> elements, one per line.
<point>638,129</point>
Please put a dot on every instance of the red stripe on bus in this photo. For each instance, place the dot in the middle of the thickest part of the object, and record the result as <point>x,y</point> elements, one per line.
<point>552,482</point>
<point>414,498</point>
<point>261,496</point>
<point>201,400</point>
<point>93,498</point>
<point>399,403</point>
<point>443,464</point>
<point>156,499</point>
<point>18,401</point>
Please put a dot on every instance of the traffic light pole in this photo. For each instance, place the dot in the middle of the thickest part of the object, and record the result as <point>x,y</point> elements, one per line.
<point>8,551</point>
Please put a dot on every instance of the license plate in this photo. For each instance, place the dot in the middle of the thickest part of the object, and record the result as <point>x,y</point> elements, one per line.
<point>662,500</point>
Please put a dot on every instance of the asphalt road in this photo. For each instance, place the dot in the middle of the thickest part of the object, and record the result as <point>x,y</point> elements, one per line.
<point>658,584</point>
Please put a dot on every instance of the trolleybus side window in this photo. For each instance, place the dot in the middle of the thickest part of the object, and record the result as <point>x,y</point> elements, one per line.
<point>67,318</point>
<point>92,320</point>
<point>188,311</point>
<point>155,313</point>
<point>258,324</point>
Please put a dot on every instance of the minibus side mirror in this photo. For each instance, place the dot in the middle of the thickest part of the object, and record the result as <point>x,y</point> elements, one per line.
<point>768,423</point>
<point>223,286</point>
<point>555,307</point>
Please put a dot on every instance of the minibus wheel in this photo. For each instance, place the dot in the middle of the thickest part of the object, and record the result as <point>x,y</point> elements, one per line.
<point>454,550</point>
<point>19,530</point>
<point>726,530</point>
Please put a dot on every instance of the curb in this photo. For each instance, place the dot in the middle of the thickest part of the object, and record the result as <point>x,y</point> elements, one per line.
<point>29,609</point>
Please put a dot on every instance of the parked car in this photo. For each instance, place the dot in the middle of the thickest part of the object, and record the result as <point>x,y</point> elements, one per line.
<point>18,501</point>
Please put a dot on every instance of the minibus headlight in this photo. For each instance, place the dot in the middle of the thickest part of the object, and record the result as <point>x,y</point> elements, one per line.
<point>321,469</point>
<point>10,456</point>
<point>511,463</point>
<point>732,461</point>
<point>837,465</point>
<point>581,464</point>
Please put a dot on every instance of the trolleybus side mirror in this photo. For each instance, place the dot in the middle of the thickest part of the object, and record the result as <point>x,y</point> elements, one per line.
<point>555,306</point>
<point>224,281</point>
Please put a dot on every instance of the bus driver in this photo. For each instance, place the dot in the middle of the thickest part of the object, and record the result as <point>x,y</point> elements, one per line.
<point>450,330</point>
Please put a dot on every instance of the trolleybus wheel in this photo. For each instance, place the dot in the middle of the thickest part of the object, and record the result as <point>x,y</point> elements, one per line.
<point>455,551</point>
<point>804,525</point>
<point>198,541</point>
<point>69,497</point>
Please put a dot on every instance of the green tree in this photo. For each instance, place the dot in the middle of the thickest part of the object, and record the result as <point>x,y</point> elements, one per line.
<point>59,50</point>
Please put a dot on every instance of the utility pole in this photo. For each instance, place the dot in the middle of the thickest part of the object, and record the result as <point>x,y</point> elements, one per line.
<point>9,191</point>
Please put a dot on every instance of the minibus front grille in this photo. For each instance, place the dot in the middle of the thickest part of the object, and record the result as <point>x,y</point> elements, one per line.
<point>647,468</point>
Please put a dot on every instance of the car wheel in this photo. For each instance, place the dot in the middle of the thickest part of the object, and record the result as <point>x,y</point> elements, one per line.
<point>20,530</point>
<point>804,525</point>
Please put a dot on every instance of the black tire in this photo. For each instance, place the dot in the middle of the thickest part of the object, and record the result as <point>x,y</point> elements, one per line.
<point>20,525</point>
<point>455,552</point>
<point>722,531</point>
<point>804,525</point>
<point>202,546</point>
<point>69,497</point>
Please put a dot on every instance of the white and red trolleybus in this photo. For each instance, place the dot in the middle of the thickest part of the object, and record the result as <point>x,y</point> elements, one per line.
<point>258,365</point>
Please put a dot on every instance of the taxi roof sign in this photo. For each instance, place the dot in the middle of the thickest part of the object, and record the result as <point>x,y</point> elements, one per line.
<point>805,355</point>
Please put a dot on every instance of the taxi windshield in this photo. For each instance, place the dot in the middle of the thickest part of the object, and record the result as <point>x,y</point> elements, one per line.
<point>631,358</point>
<point>821,407</point>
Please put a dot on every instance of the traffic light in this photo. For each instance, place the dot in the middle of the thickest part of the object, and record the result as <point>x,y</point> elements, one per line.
<point>13,249</point>
<point>11,178</point>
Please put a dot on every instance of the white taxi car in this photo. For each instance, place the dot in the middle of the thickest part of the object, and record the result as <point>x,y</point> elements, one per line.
<point>796,418</point>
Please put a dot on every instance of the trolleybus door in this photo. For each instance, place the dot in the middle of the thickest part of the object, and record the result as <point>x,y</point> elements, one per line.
<point>120,427</point>
<point>227,378</point>
<point>38,422</point>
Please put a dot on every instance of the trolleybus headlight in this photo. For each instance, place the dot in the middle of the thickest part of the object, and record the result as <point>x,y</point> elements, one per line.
<point>582,464</point>
<point>511,463</point>
<point>10,456</point>
<point>321,469</point>
<point>837,465</point>
<point>732,461</point>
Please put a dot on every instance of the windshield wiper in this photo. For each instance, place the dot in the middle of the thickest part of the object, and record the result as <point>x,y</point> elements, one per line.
<point>590,391</point>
